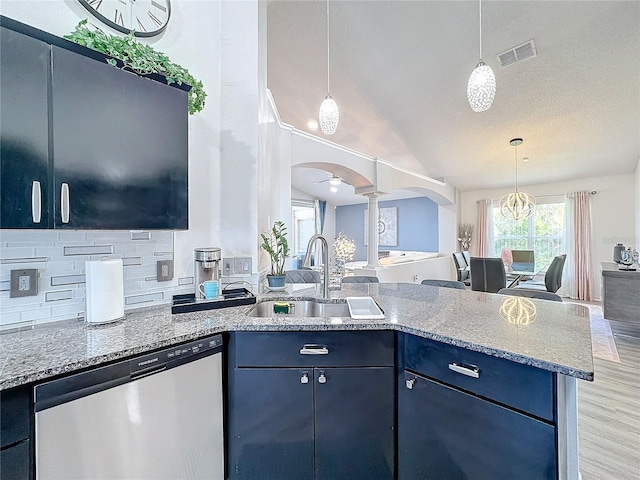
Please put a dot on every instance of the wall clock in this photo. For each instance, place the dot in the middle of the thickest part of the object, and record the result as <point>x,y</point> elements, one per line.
<point>146,17</point>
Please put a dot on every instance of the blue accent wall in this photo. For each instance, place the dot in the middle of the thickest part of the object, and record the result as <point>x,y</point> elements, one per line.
<point>417,225</point>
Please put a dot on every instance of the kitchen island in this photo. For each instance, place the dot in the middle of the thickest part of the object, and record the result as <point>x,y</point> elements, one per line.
<point>552,339</point>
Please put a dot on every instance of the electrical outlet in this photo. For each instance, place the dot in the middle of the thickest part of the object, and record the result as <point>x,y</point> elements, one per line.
<point>415,278</point>
<point>227,266</point>
<point>24,283</point>
<point>164,270</point>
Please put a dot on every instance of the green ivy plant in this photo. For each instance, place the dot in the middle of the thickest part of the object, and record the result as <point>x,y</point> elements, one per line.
<point>140,58</point>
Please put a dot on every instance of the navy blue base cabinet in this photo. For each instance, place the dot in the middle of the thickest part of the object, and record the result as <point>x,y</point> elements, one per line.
<point>16,458</point>
<point>330,418</point>
<point>445,433</point>
<point>467,415</point>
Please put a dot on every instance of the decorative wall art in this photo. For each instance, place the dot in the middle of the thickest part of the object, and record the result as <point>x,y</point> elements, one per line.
<point>387,226</point>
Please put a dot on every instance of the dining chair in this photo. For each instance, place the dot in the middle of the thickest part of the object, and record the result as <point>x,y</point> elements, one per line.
<point>552,279</point>
<point>302,276</point>
<point>444,283</point>
<point>530,293</point>
<point>462,268</point>
<point>360,279</point>
<point>487,274</point>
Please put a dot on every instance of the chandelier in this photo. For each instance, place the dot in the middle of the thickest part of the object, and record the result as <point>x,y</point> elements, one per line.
<point>517,205</point>
<point>328,116</point>
<point>481,88</point>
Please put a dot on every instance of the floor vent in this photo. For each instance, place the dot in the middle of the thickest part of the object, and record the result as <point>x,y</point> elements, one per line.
<point>516,54</point>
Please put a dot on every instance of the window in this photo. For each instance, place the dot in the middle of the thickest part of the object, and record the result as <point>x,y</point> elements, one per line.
<point>303,224</point>
<point>542,232</point>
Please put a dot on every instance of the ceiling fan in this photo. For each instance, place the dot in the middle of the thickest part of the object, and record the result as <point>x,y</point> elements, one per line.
<point>334,180</point>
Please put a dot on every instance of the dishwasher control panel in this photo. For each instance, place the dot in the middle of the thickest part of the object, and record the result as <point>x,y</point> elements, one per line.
<point>159,359</point>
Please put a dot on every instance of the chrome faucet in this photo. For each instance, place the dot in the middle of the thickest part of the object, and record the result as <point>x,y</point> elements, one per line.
<point>325,261</point>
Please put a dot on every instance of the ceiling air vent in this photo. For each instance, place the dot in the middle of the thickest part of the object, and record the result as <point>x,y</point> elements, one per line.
<point>516,54</point>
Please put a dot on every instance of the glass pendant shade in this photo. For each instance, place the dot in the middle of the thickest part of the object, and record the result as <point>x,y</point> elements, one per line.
<point>328,116</point>
<point>481,88</point>
<point>517,205</point>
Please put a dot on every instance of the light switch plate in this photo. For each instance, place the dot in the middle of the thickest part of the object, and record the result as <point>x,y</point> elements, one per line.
<point>164,270</point>
<point>24,283</point>
<point>227,266</point>
<point>242,265</point>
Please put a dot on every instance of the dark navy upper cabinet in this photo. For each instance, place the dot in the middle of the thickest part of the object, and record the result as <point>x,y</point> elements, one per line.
<point>311,405</point>
<point>120,147</point>
<point>24,141</point>
<point>86,145</point>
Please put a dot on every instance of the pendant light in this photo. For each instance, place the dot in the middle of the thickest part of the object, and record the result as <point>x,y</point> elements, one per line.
<point>517,205</point>
<point>328,116</point>
<point>481,88</point>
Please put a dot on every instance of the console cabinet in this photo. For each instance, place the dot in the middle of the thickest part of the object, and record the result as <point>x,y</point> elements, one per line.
<point>86,145</point>
<point>326,415</point>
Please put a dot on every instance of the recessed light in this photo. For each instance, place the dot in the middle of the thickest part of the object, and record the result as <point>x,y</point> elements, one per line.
<point>525,159</point>
<point>312,125</point>
<point>333,189</point>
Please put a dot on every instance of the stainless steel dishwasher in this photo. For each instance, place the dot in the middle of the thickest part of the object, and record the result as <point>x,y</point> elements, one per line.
<point>157,416</point>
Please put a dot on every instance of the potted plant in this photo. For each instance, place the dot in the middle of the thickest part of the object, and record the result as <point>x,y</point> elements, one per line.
<point>275,244</point>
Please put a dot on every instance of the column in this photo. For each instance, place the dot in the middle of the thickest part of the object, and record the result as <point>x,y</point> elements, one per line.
<point>372,248</point>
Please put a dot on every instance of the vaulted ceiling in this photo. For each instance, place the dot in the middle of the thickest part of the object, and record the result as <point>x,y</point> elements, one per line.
<point>399,73</point>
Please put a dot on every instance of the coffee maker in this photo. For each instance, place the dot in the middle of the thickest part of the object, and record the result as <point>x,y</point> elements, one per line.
<point>207,262</point>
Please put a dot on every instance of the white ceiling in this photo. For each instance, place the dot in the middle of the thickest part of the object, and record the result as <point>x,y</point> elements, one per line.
<point>399,72</point>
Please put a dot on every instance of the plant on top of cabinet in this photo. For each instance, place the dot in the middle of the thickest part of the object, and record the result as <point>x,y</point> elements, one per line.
<point>140,58</point>
<point>275,244</point>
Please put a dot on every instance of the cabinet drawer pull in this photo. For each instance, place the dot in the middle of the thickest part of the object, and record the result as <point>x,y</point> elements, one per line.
<point>64,202</point>
<point>468,370</point>
<point>313,349</point>
<point>36,202</point>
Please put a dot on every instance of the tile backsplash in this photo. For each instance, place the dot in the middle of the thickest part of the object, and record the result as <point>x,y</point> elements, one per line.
<point>59,257</point>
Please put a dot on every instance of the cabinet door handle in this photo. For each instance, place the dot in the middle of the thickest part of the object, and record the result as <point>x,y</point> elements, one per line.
<point>322,378</point>
<point>313,349</point>
<point>304,378</point>
<point>64,202</point>
<point>36,202</point>
<point>410,382</point>
<point>468,370</point>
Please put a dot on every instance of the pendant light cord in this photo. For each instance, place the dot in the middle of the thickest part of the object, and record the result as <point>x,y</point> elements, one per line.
<point>480,16</point>
<point>516,168</point>
<point>328,89</point>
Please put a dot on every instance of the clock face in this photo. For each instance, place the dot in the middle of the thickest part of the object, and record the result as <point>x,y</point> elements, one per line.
<point>146,17</point>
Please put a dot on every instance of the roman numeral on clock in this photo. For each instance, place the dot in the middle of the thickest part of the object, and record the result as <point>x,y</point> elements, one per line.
<point>118,18</point>
<point>95,3</point>
<point>154,18</point>
<point>140,25</point>
<point>157,5</point>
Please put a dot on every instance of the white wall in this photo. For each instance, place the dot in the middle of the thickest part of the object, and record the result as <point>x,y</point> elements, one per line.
<point>223,44</point>
<point>612,210</point>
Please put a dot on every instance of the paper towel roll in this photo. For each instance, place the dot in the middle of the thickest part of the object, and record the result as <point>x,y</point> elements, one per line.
<point>105,291</point>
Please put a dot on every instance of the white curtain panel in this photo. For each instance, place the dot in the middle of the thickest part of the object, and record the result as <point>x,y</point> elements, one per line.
<point>485,228</point>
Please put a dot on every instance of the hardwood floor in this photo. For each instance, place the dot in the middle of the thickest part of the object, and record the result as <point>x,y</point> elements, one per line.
<point>609,413</point>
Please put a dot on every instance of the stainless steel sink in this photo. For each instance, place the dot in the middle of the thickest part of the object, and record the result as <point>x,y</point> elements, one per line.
<point>306,308</point>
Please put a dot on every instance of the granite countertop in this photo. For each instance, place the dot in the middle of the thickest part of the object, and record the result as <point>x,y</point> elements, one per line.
<point>557,337</point>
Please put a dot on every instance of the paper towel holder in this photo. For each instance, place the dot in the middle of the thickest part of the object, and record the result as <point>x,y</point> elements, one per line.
<point>104,296</point>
